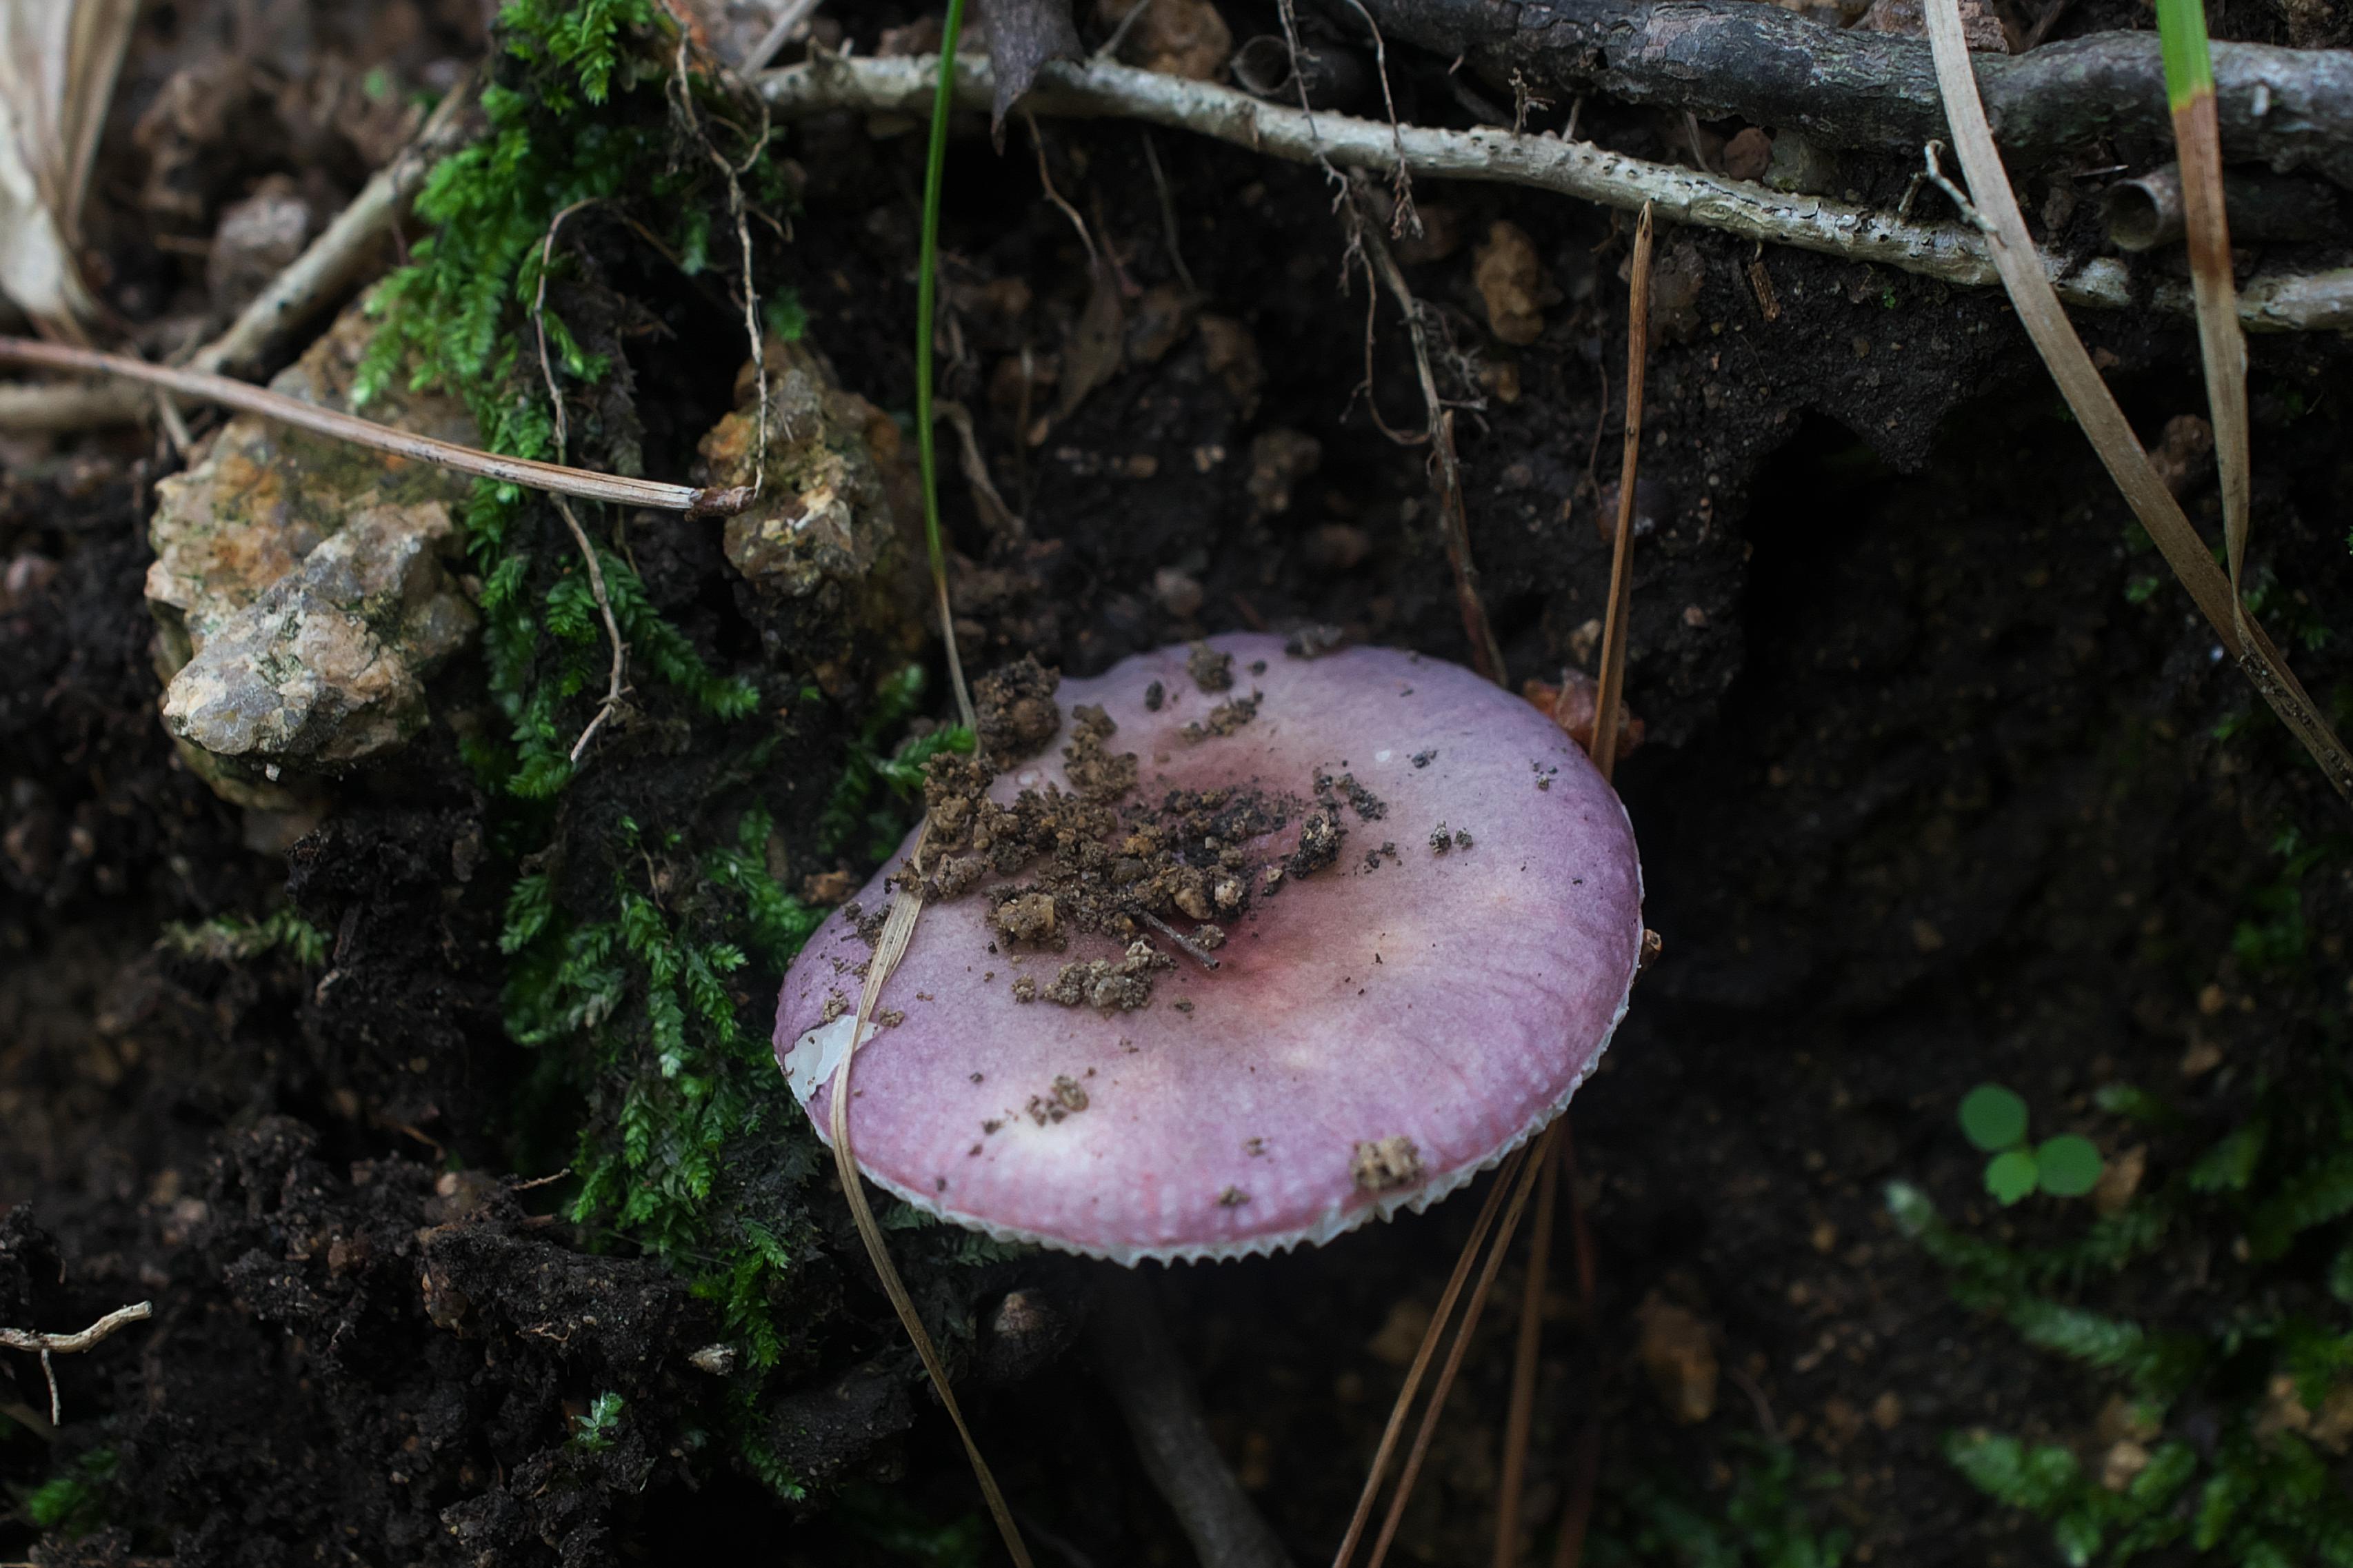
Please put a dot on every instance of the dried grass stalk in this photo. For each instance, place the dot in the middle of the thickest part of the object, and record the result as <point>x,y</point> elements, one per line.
<point>1996,212</point>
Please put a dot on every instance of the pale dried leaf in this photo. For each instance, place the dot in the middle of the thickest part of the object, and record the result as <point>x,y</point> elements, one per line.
<point>57,65</point>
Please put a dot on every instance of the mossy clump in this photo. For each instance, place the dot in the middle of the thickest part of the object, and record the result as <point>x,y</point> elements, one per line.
<point>646,884</point>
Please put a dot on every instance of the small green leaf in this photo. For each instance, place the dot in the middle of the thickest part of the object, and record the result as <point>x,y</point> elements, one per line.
<point>1994,1117</point>
<point>2070,1166</point>
<point>2011,1176</point>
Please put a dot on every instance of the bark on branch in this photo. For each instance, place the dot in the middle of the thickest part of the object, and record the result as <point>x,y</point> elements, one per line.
<point>1948,251</point>
<point>2288,108</point>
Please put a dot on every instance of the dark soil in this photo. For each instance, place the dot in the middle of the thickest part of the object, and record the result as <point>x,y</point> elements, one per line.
<point>1926,799</point>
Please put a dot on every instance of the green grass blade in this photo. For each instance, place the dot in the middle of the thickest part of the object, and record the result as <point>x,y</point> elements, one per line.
<point>2189,64</point>
<point>927,289</point>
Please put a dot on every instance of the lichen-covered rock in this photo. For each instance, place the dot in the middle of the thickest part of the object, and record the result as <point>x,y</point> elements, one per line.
<point>327,667</point>
<point>832,549</point>
<point>278,650</point>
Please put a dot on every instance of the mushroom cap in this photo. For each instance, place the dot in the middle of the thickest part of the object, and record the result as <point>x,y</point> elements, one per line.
<point>1373,1037</point>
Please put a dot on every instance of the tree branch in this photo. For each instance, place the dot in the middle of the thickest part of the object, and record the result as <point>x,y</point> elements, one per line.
<point>1950,252</point>
<point>2288,108</point>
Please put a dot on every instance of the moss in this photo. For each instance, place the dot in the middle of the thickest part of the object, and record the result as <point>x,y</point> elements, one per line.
<point>627,945</point>
<point>2261,1383</point>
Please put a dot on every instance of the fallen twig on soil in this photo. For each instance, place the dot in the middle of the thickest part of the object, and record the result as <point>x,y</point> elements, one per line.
<point>1148,1382</point>
<point>47,1345</point>
<point>2095,409</point>
<point>329,266</point>
<point>1856,89</point>
<point>706,501</point>
<point>1949,252</point>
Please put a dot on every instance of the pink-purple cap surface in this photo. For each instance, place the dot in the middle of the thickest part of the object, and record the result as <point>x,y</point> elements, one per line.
<point>1377,1033</point>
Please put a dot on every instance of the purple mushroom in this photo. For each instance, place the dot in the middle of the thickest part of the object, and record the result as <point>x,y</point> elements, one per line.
<point>1257,947</point>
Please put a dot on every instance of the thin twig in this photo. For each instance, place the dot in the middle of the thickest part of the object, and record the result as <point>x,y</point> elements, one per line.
<point>1519,1418</point>
<point>777,36</point>
<point>1423,1353</point>
<point>1405,221</point>
<point>1167,213</point>
<point>1046,178</point>
<point>1193,950</point>
<point>328,266</point>
<point>47,1345</point>
<point>2280,302</point>
<point>2102,422</point>
<point>696,502</point>
<point>616,681</point>
<point>1454,525</point>
<point>1110,48</point>
<point>1621,587</point>
<point>1411,1471</point>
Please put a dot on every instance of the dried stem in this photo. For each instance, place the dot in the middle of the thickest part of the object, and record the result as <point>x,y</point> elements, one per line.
<point>1523,1181</point>
<point>1422,1356</point>
<point>47,1345</point>
<point>330,265</point>
<point>2189,85</point>
<point>1519,1419</point>
<point>328,422</point>
<point>2286,301</point>
<point>906,904</point>
<point>616,681</point>
<point>1621,587</point>
<point>1455,524</point>
<point>2095,409</point>
<point>1148,1381</point>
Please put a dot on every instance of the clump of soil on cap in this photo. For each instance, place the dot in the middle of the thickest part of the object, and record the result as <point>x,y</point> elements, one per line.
<point>1101,858</point>
<point>1211,670</point>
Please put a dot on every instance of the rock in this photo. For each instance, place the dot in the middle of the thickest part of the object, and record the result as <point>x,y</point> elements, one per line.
<point>839,511</point>
<point>1798,164</point>
<point>1512,284</point>
<point>1748,155</point>
<point>1678,1353</point>
<point>257,238</point>
<point>1175,38</point>
<point>327,667</point>
<point>349,639</point>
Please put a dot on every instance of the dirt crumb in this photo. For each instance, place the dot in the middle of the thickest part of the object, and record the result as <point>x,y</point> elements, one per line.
<point>1097,774</point>
<point>1319,842</point>
<point>1110,987</point>
<point>1067,1099</point>
<point>1225,718</point>
<point>1313,641</point>
<point>1386,1164</point>
<point>1210,670</point>
<point>1154,696</point>
<point>1026,917</point>
<point>1014,709</point>
<point>1025,989</point>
